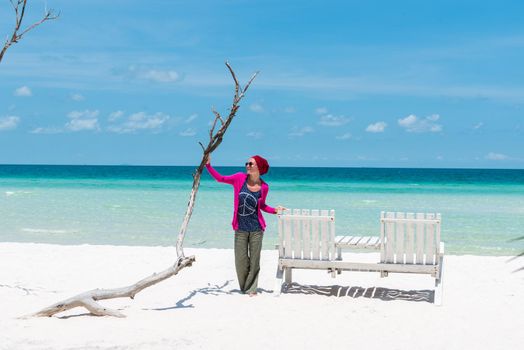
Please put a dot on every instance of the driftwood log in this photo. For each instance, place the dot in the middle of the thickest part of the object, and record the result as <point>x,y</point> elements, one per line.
<point>89,299</point>
<point>19,7</point>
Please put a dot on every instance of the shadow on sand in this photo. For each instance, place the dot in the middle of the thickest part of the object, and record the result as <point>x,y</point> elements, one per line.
<point>209,290</point>
<point>381,293</point>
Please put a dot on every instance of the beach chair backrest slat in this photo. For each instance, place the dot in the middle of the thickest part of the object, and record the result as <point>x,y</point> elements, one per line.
<point>288,250</point>
<point>315,241</point>
<point>382,236</point>
<point>399,244</point>
<point>437,238</point>
<point>324,236</point>
<point>333,250</point>
<point>430,241</point>
<point>390,238</point>
<point>297,241</point>
<point>408,238</point>
<point>419,239</point>
<point>280,238</point>
<point>306,234</point>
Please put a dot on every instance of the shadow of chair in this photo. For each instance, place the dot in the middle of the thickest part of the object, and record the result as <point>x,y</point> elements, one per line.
<point>381,293</point>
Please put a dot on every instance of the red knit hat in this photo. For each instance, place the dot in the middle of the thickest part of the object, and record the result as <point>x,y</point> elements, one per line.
<point>262,164</point>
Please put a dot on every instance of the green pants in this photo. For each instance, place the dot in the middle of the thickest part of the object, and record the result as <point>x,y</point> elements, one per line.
<point>247,259</point>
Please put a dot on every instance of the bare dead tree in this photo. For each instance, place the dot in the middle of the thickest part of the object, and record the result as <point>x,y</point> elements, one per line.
<point>19,6</point>
<point>215,139</point>
<point>89,299</point>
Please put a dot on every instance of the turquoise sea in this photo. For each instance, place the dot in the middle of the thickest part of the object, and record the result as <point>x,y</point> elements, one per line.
<point>482,209</point>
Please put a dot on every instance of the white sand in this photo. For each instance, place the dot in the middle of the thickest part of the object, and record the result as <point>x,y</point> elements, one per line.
<point>200,309</point>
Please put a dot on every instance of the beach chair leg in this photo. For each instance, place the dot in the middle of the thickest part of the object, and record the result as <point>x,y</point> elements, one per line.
<point>439,284</point>
<point>438,293</point>
<point>339,253</point>
<point>288,278</point>
<point>278,282</point>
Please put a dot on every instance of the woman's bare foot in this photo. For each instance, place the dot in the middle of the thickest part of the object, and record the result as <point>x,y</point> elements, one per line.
<point>253,294</point>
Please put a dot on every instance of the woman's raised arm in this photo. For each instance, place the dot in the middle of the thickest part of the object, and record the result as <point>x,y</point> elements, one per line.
<point>216,175</point>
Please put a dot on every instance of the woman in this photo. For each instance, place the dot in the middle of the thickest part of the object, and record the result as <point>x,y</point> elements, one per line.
<point>248,223</point>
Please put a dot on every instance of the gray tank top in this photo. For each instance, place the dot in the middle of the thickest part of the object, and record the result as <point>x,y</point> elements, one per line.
<point>248,210</point>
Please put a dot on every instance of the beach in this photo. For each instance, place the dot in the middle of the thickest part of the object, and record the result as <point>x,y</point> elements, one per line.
<point>69,229</point>
<point>201,308</point>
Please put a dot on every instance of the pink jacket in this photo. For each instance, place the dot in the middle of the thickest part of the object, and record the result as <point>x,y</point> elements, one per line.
<point>237,180</point>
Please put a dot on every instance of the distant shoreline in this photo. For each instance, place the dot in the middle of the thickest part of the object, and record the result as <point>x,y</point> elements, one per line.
<point>192,247</point>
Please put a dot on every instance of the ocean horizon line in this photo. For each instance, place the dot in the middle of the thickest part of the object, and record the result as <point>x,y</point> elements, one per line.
<point>196,246</point>
<point>240,166</point>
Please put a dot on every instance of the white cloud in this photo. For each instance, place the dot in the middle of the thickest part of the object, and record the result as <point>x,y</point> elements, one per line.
<point>321,110</point>
<point>296,131</point>
<point>9,122</point>
<point>160,76</point>
<point>332,120</point>
<point>83,120</point>
<point>255,107</point>
<point>191,118</point>
<point>23,91</point>
<point>82,124</point>
<point>77,97</point>
<point>141,121</point>
<point>408,121</point>
<point>440,157</point>
<point>50,130</point>
<point>83,114</point>
<point>376,127</point>
<point>345,136</point>
<point>188,132</point>
<point>290,110</point>
<point>255,134</point>
<point>114,116</point>
<point>413,124</point>
<point>496,156</point>
<point>154,75</point>
<point>478,125</point>
<point>433,117</point>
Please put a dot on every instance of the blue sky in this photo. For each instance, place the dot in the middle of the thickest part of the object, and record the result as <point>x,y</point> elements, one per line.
<point>342,83</point>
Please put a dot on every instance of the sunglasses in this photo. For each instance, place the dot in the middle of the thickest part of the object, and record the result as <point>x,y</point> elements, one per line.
<point>250,164</point>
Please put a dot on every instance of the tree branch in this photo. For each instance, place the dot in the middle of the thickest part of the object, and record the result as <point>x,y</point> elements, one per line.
<point>19,7</point>
<point>48,17</point>
<point>217,117</point>
<point>89,299</point>
<point>235,99</point>
<point>249,83</point>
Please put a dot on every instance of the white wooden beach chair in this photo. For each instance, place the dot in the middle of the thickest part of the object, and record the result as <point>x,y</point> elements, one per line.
<point>408,243</point>
<point>306,239</point>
